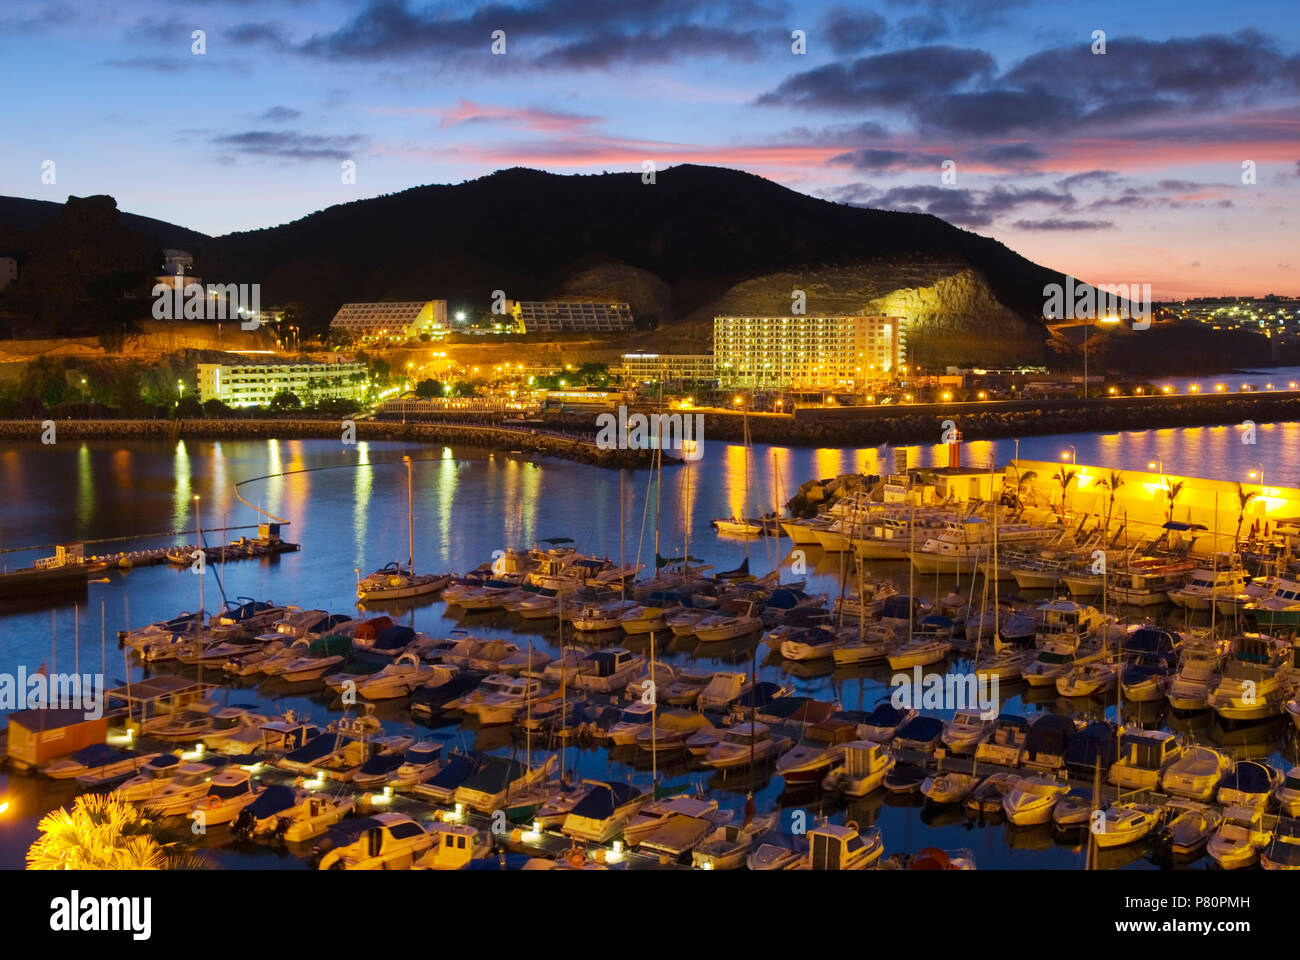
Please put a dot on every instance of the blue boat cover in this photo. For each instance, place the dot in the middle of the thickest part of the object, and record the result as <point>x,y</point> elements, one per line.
<point>274,799</point>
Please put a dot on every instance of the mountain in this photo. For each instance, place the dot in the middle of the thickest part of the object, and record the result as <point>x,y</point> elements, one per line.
<point>697,241</point>
<point>23,216</point>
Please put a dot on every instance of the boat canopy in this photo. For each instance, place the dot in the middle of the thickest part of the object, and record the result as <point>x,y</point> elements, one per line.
<point>1050,734</point>
<point>334,645</point>
<point>603,801</point>
<point>495,775</point>
<point>394,638</point>
<point>382,764</point>
<point>785,598</point>
<point>885,715</point>
<point>1179,525</point>
<point>455,771</point>
<point>1248,776</point>
<point>314,749</point>
<point>921,730</point>
<point>1095,742</point>
<point>274,799</point>
<point>101,754</point>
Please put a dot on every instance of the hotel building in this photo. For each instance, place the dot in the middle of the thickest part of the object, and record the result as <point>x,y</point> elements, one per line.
<point>246,385</point>
<point>391,320</point>
<point>673,368</point>
<point>794,353</point>
<point>571,316</point>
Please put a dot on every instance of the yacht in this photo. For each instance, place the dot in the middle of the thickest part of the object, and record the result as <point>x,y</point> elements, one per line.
<point>397,582</point>
<point>322,655</point>
<point>1241,836</point>
<point>873,644</point>
<point>608,671</point>
<point>634,719</point>
<point>1226,579</point>
<point>744,743</point>
<point>420,762</point>
<point>1006,662</point>
<point>499,699</point>
<point>373,843</point>
<point>1086,679</point>
<point>1195,774</point>
<point>823,747</point>
<point>181,791</point>
<point>150,779</point>
<point>1147,581</point>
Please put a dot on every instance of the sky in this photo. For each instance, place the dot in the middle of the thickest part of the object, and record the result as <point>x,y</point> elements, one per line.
<point>1171,158</point>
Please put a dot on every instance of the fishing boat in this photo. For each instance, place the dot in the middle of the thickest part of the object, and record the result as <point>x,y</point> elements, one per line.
<point>1196,773</point>
<point>744,743</point>
<point>1124,823</point>
<point>966,731</point>
<point>1188,827</point>
<point>1144,756</point>
<point>1278,609</point>
<point>835,847</point>
<point>1239,839</point>
<point>1031,799</point>
<point>948,787</point>
<point>862,770</point>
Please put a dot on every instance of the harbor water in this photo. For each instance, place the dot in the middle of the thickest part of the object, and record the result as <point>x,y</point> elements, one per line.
<point>346,506</point>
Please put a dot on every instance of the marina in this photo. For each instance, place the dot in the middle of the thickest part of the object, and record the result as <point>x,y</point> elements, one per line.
<point>788,653</point>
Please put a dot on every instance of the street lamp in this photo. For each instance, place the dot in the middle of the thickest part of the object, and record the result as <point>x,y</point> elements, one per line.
<point>1152,466</point>
<point>1074,455</point>
<point>1087,334</point>
<point>1258,472</point>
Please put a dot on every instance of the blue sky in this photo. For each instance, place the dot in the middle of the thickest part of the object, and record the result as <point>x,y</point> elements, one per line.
<point>1122,167</point>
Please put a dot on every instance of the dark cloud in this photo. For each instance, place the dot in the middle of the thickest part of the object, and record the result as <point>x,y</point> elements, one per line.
<point>567,34</point>
<point>883,80</point>
<point>272,35</point>
<point>1055,223</point>
<point>963,207</point>
<point>876,159</point>
<point>156,64</point>
<point>279,114</point>
<point>1008,154</point>
<point>957,91</point>
<point>286,145</point>
<point>852,31</point>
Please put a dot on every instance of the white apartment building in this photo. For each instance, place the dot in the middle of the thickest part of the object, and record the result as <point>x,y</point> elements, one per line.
<point>245,385</point>
<point>391,321</point>
<point>667,368</point>
<point>571,316</point>
<point>797,352</point>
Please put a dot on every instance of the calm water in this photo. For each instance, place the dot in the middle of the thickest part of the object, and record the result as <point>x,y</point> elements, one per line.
<point>347,507</point>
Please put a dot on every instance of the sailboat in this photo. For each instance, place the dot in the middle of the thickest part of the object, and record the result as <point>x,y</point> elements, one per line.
<point>395,582</point>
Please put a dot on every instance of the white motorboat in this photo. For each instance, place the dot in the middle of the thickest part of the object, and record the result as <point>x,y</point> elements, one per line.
<point>1226,579</point>
<point>1196,679</point>
<point>179,794</point>
<point>656,813</point>
<point>97,762</point>
<point>873,644</point>
<point>499,699</point>
<point>420,762</point>
<point>596,617</point>
<point>229,792</point>
<point>1086,679</point>
<point>1143,758</point>
<point>948,787</point>
<point>640,619</point>
<point>398,679</point>
<point>635,718</point>
<point>234,726</point>
<point>718,628</point>
<point>603,812</point>
<point>966,731</point>
<point>608,670</point>
<point>1239,839</point>
<point>1031,799</point>
<point>374,843</point>
<point>744,743</point>
<point>728,845</point>
<point>986,798</point>
<point>823,747</point>
<point>1196,773</point>
<point>1253,690</point>
<point>1189,826</point>
<point>1123,823</point>
<point>150,779</point>
<point>815,643</point>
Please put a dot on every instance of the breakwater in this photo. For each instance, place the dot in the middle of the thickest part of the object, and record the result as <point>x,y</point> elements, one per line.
<point>925,423</point>
<point>540,442</point>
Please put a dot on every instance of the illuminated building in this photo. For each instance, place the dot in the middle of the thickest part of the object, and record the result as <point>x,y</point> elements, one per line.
<point>826,352</point>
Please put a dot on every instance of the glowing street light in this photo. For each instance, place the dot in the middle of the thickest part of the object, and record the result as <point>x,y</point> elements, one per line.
<point>1072,456</point>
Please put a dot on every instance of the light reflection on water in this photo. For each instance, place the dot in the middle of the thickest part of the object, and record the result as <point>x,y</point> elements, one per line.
<point>469,503</point>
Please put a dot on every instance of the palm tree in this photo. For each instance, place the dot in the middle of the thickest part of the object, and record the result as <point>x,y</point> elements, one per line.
<point>1112,483</point>
<point>102,832</point>
<point>1171,493</point>
<point>1065,478</point>
<point>1021,480</point>
<point>1243,501</point>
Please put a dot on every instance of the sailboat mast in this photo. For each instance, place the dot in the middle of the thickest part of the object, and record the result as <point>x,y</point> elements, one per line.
<point>622,556</point>
<point>410,519</point>
<point>654,714</point>
<point>528,707</point>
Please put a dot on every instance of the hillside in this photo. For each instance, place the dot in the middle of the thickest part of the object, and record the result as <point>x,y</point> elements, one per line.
<point>699,241</point>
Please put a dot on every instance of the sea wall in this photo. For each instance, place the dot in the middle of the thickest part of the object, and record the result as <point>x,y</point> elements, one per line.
<point>537,442</point>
